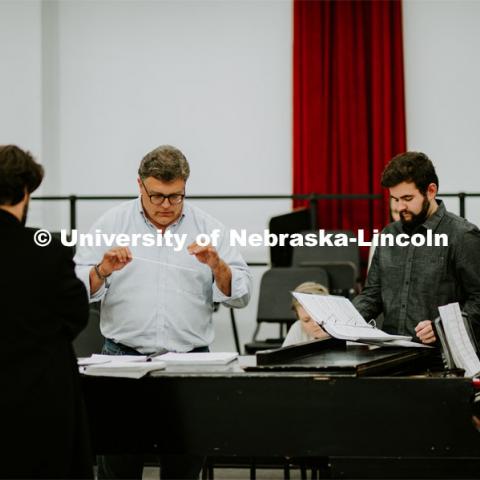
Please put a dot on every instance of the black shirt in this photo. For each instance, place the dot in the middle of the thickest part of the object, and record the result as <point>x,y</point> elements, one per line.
<point>409,283</point>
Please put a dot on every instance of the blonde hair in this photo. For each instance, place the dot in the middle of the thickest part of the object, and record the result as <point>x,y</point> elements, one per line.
<point>308,287</point>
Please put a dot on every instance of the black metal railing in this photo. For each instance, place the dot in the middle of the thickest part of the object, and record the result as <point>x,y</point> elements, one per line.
<point>312,199</point>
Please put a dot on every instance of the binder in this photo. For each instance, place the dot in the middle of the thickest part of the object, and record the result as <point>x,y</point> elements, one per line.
<point>457,341</point>
<point>340,319</point>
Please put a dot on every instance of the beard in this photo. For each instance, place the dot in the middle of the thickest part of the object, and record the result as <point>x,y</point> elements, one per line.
<point>23,220</point>
<point>416,218</point>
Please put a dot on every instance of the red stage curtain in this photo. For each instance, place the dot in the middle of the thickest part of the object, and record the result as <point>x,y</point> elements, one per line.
<point>349,109</point>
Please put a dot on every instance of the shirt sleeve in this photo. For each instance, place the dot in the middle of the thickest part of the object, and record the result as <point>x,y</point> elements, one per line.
<point>241,285</point>
<point>369,301</point>
<point>85,258</point>
<point>468,275</point>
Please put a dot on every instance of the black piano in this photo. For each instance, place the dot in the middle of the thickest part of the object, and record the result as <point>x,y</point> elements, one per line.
<point>374,413</point>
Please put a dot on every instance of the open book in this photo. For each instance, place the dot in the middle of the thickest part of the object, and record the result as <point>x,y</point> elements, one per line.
<point>339,318</point>
<point>457,340</point>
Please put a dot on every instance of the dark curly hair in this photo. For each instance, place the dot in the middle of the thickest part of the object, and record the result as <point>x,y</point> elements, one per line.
<point>413,167</point>
<point>19,173</point>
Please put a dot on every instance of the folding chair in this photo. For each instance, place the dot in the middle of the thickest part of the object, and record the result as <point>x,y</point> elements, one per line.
<point>90,340</point>
<point>341,263</point>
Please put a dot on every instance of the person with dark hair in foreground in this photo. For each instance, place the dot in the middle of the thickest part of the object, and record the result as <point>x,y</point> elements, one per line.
<point>43,307</point>
<point>408,283</point>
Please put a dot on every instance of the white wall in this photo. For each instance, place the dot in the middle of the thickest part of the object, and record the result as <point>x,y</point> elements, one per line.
<point>213,78</point>
<point>442,73</point>
<point>20,87</point>
<point>20,78</point>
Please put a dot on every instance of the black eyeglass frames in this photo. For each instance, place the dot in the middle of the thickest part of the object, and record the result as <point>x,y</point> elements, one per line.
<point>159,198</point>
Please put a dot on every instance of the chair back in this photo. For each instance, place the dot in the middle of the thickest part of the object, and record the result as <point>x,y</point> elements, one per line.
<point>341,275</point>
<point>291,222</point>
<point>90,340</point>
<point>322,255</point>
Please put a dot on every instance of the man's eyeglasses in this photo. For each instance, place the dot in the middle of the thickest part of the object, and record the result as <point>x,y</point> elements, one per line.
<point>159,198</point>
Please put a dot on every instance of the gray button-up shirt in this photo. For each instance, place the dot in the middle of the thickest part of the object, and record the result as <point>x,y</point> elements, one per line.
<point>409,283</point>
<point>164,298</point>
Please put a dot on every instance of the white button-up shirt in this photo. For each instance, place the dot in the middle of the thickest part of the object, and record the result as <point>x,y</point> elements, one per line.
<point>164,298</point>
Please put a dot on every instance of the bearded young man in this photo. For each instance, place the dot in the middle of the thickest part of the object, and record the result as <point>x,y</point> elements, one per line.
<point>408,283</point>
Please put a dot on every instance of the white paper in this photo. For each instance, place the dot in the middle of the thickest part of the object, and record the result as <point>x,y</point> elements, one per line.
<point>118,358</point>
<point>122,369</point>
<point>358,333</point>
<point>341,319</point>
<point>84,361</point>
<point>398,343</point>
<point>458,340</point>
<point>201,358</point>
<point>97,359</point>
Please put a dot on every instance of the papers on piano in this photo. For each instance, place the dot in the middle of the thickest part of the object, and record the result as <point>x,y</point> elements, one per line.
<point>97,358</point>
<point>200,358</point>
<point>128,366</point>
<point>396,343</point>
<point>136,366</point>
<point>341,319</point>
<point>456,339</point>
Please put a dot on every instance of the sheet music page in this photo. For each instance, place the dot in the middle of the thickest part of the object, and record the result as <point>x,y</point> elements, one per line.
<point>122,369</point>
<point>461,347</point>
<point>101,358</point>
<point>397,343</point>
<point>331,309</point>
<point>341,319</point>
<point>359,333</point>
<point>198,358</point>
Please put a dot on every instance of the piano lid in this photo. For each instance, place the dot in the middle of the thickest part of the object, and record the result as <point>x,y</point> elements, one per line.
<point>334,357</point>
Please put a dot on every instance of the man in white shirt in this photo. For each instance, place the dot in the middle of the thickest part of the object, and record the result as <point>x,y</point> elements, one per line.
<point>160,297</point>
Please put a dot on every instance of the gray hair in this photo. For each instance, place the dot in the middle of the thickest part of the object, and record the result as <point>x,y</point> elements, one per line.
<point>165,163</point>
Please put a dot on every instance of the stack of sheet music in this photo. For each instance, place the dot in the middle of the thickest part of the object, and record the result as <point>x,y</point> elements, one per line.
<point>128,366</point>
<point>457,340</point>
<point>200,358</point>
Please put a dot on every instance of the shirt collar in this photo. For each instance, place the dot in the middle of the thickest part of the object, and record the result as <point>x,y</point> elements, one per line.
<point>431,223</point>
<point>9,219</point>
